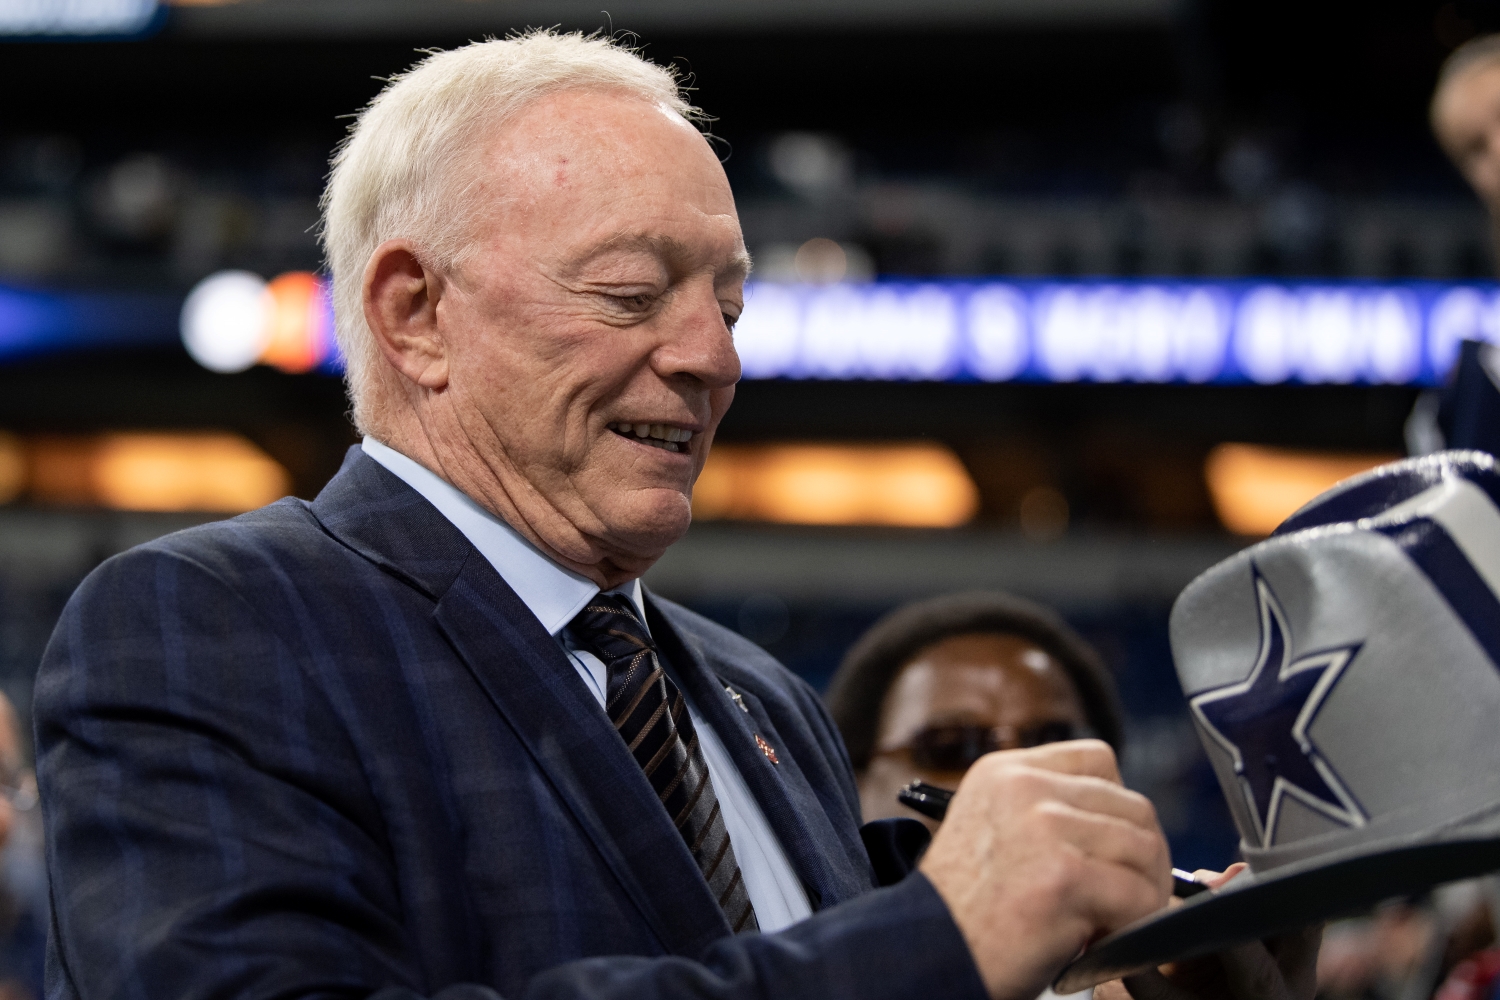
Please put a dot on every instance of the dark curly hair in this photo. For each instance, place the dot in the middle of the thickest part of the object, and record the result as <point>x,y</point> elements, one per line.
<point>858,689</point>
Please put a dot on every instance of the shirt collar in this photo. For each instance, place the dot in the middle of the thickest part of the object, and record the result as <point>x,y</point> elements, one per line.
<point>553,592</point>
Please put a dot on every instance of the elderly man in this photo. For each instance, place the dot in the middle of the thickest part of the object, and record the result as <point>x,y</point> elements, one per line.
<point>428,735</point>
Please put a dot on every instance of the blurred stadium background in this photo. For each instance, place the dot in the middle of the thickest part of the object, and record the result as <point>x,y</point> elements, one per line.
<point>1071,298</point>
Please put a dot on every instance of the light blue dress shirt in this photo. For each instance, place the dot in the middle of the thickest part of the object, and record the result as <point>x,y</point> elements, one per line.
<point>555,594</point>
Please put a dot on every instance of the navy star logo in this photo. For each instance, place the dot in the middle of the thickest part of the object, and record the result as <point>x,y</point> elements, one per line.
<point>1262,723</point>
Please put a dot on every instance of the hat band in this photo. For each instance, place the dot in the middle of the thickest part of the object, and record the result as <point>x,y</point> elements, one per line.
<point>1378,832</point>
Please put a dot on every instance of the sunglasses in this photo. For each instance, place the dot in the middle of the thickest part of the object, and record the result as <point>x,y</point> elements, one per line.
<point>956,748</point>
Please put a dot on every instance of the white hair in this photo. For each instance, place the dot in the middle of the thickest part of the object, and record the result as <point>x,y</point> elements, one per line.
<point>410,158</point>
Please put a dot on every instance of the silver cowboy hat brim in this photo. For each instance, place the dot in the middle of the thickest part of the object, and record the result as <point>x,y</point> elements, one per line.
<point>1252,907</point>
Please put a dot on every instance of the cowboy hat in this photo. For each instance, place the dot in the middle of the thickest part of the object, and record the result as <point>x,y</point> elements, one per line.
<point>1344,678</point>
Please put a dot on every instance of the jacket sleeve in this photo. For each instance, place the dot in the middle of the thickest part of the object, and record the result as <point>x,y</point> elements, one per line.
<point>204,840</point>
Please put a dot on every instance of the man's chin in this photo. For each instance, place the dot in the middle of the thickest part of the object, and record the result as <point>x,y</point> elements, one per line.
<point>644,530</point>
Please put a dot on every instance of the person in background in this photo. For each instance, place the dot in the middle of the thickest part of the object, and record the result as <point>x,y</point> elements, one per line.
<point>1465,117</point>
<point>23,880</point>
<point>936,684</point>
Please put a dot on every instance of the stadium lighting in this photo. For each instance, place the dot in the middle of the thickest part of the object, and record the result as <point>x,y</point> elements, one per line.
<point>234,319</point>
<point>225,321</point>
<point>206,471</point>
<point>901,485</point>
<point>1255,488</point>
<point>12,467</point>
<point>77,17</point>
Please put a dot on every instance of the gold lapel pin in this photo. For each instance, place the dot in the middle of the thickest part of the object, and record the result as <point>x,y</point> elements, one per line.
<point>766,749</point>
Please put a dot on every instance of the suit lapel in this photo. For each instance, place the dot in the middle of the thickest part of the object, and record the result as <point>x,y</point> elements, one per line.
<point>534,687</point>
<point>797,817</point>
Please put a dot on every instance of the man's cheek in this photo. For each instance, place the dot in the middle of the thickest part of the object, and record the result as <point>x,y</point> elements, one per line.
<point>721,400</point>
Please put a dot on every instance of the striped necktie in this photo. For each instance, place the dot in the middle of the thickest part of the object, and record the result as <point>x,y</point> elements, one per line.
<point>650,715</point>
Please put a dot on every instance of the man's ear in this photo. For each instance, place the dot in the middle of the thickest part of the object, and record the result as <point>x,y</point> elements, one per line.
<point>401,307</point>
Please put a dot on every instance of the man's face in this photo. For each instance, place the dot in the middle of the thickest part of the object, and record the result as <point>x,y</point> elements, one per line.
<point>1466,118</point>
<point>590,356</point>
<point>997,684</point>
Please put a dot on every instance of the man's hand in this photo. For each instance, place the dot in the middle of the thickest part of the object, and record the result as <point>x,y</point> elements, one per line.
<point>1042,851</point>
<point>1280,968</point>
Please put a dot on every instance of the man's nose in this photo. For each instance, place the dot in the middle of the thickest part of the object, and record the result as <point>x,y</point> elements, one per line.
<point>698,343</point>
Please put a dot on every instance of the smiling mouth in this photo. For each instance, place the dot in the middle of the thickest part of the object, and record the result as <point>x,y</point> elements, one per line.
<point>663,436</point>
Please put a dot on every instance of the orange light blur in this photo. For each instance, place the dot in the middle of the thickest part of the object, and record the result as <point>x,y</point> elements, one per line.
<point>294,312</point>
<point>221,473</point>
<point>1254,488</point>
<point>12,467</point>
<point>905,485</point>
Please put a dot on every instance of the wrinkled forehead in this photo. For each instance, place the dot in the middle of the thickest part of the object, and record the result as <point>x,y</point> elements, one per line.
<point>586,136</point>
<point>604,166</point>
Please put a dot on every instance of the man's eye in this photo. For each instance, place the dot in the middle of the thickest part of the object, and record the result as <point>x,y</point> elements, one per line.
<point>634,303</point>
<point>730,321</point>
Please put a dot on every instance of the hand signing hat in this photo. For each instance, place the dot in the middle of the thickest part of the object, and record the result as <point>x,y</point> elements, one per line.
<point>1344,677</point>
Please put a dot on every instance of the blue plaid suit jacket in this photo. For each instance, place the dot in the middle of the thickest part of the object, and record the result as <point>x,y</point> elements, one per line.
<point>322,750</point>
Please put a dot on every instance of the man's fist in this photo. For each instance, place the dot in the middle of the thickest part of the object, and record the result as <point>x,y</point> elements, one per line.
<point>1042,851</point>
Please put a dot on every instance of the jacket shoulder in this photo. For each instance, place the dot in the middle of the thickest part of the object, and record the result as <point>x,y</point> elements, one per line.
<point>282,532</point>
